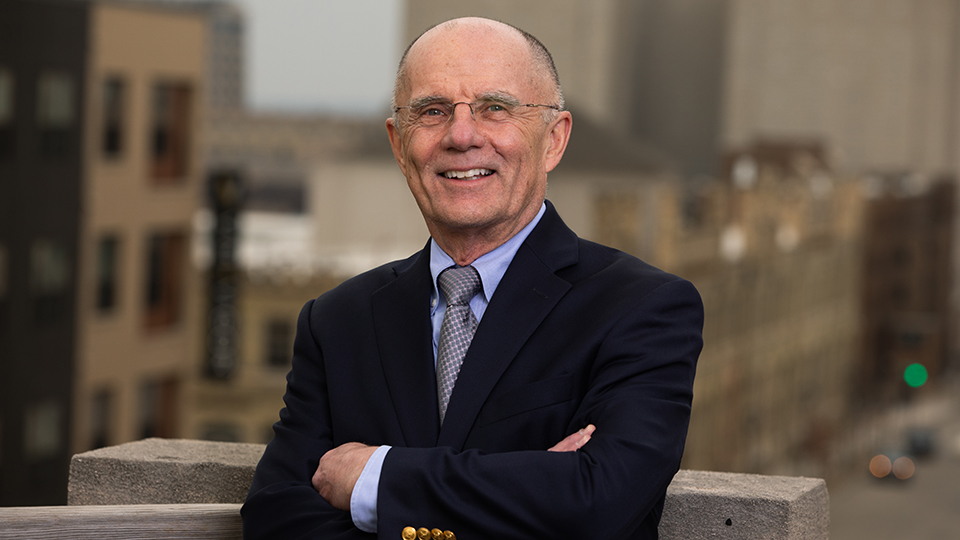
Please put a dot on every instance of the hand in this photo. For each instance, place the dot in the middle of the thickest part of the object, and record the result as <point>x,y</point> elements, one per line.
<point>574,441</point>
<point>338,471</point>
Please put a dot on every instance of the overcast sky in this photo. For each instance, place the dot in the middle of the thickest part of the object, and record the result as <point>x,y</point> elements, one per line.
<point>321,55</point>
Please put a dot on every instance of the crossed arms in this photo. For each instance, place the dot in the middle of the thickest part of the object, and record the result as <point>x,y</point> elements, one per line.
<point>340,468</point>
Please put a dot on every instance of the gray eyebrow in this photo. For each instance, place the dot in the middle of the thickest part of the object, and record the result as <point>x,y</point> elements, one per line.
<point>499,97</point>
<point>496,97</point>
<point>427,100</point>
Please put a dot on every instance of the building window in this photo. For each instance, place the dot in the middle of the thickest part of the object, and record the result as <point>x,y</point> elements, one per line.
<point>42,437</point>
<point>165,262</point>
<point>49,280</point>
<point>6,96</point>
<point>107,261</point>
<point>100,414</point>
<point>171,129</point>
<point>4,271</point>
<point>279,342</point>
<point>158,413</point>
<point>55,112</point>
<point>114,103</point>
<point>7,133</point>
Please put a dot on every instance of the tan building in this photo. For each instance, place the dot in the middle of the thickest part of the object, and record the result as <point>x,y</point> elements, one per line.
<point>138,318</point>
<point>244,407</point>
<point>781,291</point>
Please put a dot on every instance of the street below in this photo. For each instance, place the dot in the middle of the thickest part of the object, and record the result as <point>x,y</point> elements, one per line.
<point>924,507</point>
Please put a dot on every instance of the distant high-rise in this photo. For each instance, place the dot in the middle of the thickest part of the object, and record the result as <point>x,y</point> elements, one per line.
<point>697,78</point>
<point>225,58</point>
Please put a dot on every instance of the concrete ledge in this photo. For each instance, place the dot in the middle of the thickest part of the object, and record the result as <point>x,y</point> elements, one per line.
<point>699,504</point>
<point>200,521</point>
<point>745,506</point>
<point>163,471</point>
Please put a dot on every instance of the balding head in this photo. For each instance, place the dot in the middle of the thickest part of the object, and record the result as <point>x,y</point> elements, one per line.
<point>479,131</point>
<point>541,61</point>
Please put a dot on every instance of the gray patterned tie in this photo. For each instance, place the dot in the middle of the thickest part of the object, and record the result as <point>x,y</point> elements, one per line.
<point>459,285</point>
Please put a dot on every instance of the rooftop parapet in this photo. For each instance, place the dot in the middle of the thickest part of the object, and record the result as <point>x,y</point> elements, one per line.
<point>151,489</point>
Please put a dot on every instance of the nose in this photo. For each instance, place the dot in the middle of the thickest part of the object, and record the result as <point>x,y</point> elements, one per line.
<point>462,128</point>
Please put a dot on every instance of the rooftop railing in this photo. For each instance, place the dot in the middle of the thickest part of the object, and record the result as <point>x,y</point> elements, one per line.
<point>163,488</point>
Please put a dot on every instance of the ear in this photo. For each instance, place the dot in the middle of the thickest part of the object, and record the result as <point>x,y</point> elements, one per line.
<point>557,139</point>
<point>396,144</point>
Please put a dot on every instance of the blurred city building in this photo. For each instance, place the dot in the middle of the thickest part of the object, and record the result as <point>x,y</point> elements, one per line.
<point>276,153</point>
<point>875,82</point>
<point>322,200</point>
<point>100,169</point>
<point>774,247</point>
<point>224,52</point>
<point>908,237</point>
<point>781,293</point>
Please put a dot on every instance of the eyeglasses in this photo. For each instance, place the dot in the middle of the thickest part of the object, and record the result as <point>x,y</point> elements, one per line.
<point>487,111</point>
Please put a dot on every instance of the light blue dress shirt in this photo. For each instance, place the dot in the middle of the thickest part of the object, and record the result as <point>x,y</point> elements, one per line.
<point>491,267</point>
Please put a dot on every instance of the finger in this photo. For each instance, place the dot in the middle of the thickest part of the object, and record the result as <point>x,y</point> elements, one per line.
<point>585,435</point>
<point>574,441</point>
<point>567,444</point>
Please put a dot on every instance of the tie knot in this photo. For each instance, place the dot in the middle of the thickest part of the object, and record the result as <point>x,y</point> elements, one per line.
<point>459,284</point>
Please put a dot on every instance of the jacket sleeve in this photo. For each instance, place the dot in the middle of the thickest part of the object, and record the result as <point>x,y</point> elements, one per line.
<point>282,502</point>
<point>639,397</point>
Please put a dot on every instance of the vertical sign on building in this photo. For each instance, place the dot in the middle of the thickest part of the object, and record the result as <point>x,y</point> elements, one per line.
<point>225,192</point>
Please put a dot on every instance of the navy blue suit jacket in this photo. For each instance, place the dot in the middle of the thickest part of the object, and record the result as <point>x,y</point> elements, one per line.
<point>577,333</point>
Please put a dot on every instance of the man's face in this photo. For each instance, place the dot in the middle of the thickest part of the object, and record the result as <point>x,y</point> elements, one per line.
<point>467,174</point>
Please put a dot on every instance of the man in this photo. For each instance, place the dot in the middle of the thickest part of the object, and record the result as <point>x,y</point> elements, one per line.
<point>568,411</point>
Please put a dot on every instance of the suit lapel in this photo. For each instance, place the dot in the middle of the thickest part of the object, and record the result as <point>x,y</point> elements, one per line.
<point>401,315</point>
<point>527,293</point>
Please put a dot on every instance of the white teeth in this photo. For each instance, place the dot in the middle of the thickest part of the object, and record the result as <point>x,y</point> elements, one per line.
<point>467,174</point>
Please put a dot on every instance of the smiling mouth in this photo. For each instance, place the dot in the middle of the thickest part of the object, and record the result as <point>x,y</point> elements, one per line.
<point>472,174</point>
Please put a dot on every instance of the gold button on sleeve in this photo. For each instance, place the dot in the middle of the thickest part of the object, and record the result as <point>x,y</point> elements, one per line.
<point>409,533</point>
<point>423,533</point>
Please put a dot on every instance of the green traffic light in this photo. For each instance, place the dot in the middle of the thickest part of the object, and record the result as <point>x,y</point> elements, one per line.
<point>915,375</point>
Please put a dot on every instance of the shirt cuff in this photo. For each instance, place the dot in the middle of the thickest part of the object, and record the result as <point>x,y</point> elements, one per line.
<point>363,500</point>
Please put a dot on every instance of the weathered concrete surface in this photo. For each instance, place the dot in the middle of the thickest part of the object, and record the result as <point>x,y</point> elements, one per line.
<point>745,506</point>
<point>163,471</point>
<point>699,504</point>
<point>132,522</point>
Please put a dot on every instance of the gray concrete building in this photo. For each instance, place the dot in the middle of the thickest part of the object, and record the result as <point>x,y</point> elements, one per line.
<point>875,82</point>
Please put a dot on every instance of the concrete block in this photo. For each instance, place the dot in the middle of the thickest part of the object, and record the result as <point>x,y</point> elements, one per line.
<point>699,504</point>
<point>163,471</point>
<point>745,506</point>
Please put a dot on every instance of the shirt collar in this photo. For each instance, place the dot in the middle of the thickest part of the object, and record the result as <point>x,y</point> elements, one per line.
<point>491,266</point>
